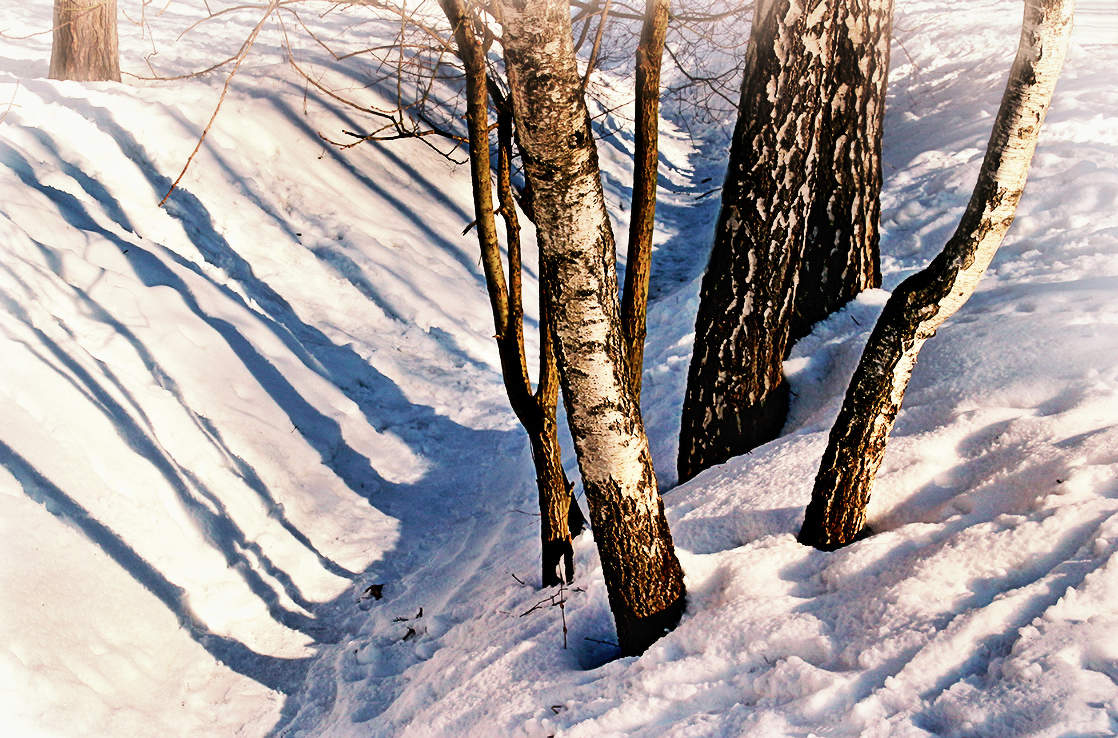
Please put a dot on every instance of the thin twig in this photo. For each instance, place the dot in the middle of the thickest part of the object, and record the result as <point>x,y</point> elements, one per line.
<point>597,44</point>
<point>11,102</point>
<point>224,91</point>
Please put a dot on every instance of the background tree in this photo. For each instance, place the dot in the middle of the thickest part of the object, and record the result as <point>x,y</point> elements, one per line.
<point>841,256</point>
<point>85,46</point>
<point>737,397</point>
<point>642,574</point>
<point>837,512</point>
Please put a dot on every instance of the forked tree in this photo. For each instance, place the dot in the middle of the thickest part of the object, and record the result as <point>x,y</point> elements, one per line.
<point>535,409</point>
<point>643,577</point>
<point>797,236</point>
<point>916,309</point>
<point>85,44</point>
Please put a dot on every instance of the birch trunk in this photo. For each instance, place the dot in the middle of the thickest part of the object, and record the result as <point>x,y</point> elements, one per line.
<point>841,256</point>
<point>85,44</point>
<point>536,411</point>
<point>642,575</point>
<point>837,512</point>
<point>736,395</point>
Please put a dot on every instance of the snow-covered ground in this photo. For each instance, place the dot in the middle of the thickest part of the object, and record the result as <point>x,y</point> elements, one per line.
<point>226,418</point>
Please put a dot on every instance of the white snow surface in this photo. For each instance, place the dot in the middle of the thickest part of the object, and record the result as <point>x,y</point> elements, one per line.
<point>226,418</point>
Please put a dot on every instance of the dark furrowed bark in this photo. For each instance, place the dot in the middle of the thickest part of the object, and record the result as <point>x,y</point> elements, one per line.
<point>841,255</point>
<point>736,395</point>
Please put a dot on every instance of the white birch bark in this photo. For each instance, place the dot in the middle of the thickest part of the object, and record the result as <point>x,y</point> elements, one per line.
<point>643,576</point>
<point>836,514</point>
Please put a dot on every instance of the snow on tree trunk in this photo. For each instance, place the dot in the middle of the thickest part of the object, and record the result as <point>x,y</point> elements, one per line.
<point>642,574</point>
<point>841,255</point>
<point>837,512</point>
<point>85,41</point>
<point>736,395</point>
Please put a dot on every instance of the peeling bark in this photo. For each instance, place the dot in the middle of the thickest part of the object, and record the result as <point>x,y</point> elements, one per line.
<point>643,577</point>
<point>85,44</point>
<point>736,394</point>
<point>837,512</point>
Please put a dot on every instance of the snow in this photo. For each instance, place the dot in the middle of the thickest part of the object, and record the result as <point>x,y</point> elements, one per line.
<point>226,418</point>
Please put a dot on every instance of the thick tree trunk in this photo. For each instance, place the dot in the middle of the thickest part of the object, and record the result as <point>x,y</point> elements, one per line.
<point>841,256</point>
<point>536,411</point>
<point>85,41</point>
<point>837,512</point>
<point>642,575</point>
<point>638,263</point>
<point>736,395</point>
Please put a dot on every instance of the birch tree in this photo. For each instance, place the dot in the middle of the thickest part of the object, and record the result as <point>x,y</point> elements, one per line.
<point>535,409</point>
<point>841,256</point>
<point>85,46</point>
<point>643,577</point>
<point>737,397</point>
<point>916,309</point>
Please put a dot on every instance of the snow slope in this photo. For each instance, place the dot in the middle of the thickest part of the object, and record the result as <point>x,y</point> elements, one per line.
<point>225,419</point>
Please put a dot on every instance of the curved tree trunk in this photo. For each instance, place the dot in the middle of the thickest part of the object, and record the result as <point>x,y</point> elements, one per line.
<point>841,256</point>
<point>638,263</point>
<point>559,512</point>
<point>837,512</point>
<point>736,395</point>
<point>85,41</point>
<point>642,574</point>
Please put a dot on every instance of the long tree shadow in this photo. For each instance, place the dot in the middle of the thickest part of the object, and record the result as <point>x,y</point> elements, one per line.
<point>383,404</point>
<point>218,527</point>
<point>281,674</point>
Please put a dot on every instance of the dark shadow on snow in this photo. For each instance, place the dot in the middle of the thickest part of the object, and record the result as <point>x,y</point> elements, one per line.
<point>415,505</point>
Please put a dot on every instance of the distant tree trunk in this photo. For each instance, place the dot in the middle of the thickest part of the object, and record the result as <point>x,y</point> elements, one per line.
<point>841,256</point>
<point>85,41</point>
<point>643,578</point>
<point>837,512</point>
<point>737,397</point>
<point>638,263</point>
<point>536,411</point>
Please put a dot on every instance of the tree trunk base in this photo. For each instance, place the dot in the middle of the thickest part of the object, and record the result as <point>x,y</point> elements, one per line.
<point>558,563</point>
<point>640,633</point>
<point>752,426</point>
<point>864,533</point>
